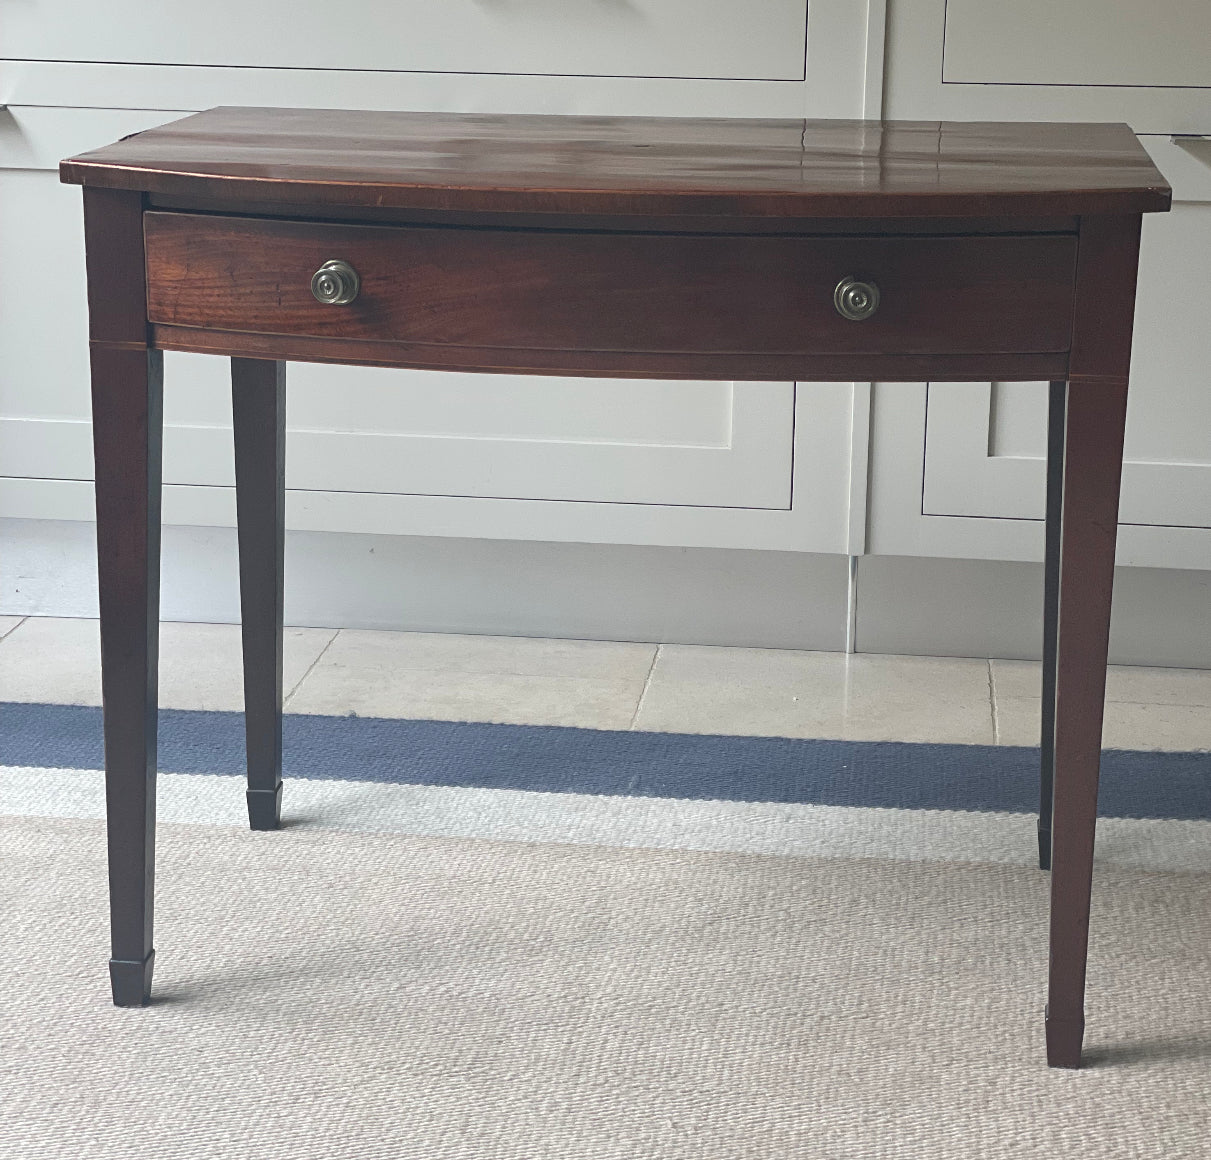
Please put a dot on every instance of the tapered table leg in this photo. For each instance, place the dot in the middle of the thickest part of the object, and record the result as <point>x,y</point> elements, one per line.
<point>258,393</point>
<point>1057,401</point>
<point>127,407</point>
<point>127,425</point>
<point>1093,458</point>
<point>1094,424</point>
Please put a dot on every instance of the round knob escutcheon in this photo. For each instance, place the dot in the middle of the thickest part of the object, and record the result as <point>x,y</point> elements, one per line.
<point>335,283</point>
<point>855,299</point>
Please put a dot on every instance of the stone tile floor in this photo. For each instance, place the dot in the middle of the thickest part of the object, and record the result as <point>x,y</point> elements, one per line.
<point>612,685</point>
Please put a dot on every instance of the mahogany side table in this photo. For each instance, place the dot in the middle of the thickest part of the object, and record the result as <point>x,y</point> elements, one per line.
<point>643,247</point>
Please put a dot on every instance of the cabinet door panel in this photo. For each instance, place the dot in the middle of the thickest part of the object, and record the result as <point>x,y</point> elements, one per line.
<point>746,464</point>
<point>640,38</point>
<point>984,457</point>
<point>1078,42</point>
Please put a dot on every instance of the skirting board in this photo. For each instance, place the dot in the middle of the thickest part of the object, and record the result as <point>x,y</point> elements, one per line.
<point>993,608</point>
<point>928,607</point>
<point>497,587</point>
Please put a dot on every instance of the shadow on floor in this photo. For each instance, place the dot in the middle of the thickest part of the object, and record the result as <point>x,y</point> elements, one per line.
<point>1144,1051</point>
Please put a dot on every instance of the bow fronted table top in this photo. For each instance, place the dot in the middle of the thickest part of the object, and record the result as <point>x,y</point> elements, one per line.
<point>643,166</point>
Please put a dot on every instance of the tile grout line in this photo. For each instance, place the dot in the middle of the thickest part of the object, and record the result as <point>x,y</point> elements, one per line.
<point>20,622</point>
<point>310,668</point>
<point>646,683</point>
<point>1162,704</point>
<point>992,705</point>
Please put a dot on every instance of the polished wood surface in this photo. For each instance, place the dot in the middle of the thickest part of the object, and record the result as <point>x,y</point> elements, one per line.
<point>635,165</point>
<point>601,292</point>
<point>581,246</point>
<point>1094,423</point>
<point>127,401</point>
<point>258,407</point>
<point>759,367</point>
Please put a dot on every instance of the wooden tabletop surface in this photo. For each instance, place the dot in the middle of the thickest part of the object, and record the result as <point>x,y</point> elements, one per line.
<point>634,165</point>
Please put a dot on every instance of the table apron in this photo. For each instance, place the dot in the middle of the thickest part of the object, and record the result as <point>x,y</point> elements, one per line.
<point>1032,367</point>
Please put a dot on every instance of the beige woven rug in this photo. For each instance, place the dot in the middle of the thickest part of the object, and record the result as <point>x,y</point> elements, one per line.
<point>325,995</point>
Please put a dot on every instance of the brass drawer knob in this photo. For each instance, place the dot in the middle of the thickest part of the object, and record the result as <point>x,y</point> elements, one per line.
<point>856,300</point>
<point>335,283</point>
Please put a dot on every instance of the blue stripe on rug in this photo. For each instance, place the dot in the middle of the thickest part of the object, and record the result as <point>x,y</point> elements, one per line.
<point>896,775</point>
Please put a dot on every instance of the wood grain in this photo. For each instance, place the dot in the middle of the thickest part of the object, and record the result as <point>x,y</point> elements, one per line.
<point>548,290</point>
<point>634,165</point>
<point>117,291</point>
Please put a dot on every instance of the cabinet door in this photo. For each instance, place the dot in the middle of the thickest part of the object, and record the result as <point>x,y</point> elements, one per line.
<point>639,38</point>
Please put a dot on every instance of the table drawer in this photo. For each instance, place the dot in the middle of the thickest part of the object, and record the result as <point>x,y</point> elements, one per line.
<point>551,290</point>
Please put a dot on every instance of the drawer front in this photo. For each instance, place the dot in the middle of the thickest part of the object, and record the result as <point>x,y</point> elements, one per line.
<point>538,290</point>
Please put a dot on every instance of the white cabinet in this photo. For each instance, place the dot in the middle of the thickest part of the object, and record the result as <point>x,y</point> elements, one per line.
<point>953,470</point>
